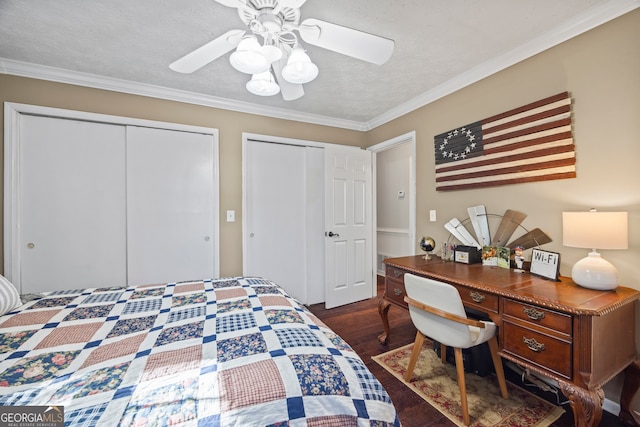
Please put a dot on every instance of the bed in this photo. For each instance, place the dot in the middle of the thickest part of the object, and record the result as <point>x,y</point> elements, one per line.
<point>233,351</point>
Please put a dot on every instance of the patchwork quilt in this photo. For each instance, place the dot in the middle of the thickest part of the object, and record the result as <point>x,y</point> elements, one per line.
<point>224,352</point>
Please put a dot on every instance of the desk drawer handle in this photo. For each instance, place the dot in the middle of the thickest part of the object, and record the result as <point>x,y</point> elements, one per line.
<point>533,344</point>
<point>397,291</point>
<point>477,297</point>
<point>533,314</point>
<point>397,273</point>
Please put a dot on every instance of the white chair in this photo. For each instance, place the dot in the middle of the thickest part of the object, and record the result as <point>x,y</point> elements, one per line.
<point>437,312</point>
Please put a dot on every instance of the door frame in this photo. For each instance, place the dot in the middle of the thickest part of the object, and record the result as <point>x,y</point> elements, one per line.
<point>12,113</point>
<point>270,139</point>
<point>409,137</point>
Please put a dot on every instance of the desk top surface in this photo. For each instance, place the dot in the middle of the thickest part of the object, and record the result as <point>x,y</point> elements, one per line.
<point>564,295</point>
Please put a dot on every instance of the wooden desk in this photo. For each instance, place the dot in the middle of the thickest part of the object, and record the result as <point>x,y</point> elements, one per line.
<point>579,337</point>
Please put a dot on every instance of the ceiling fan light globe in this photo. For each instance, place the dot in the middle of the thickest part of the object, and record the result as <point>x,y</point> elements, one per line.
<point>300,73</point>
<point>263,84</point>
<point>272,53</point>
<point>248,57</point>
<point>299,68</point>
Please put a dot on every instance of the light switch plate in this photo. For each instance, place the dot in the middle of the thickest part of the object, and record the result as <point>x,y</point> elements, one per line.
<point>432,215</point>
<point>231,216</point>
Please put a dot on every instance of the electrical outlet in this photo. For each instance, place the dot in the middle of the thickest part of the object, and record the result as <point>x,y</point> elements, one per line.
<point>432,215</point>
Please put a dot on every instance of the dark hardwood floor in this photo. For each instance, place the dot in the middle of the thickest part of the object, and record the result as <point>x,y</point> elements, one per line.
<point>359,324</point>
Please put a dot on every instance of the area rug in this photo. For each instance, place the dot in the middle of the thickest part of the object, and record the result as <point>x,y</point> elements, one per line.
<point>436,383</point>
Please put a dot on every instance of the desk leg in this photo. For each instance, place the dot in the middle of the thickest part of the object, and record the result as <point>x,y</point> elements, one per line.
<point>383,310</point>
<point>586,404</point>
<point>629,390</point>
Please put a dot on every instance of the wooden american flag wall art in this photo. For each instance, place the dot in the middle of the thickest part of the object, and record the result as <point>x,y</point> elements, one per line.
<point>526,144</point>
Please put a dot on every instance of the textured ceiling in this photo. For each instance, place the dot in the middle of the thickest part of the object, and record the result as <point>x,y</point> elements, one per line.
<point>439,46</point>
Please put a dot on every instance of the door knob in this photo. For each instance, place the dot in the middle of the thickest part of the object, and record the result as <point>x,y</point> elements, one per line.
<point>332,234</point>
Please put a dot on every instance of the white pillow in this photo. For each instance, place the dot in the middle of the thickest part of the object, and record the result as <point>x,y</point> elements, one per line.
<point>9,296</point>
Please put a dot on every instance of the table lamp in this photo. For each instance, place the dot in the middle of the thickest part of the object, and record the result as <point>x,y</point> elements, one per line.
<point>602,230</point>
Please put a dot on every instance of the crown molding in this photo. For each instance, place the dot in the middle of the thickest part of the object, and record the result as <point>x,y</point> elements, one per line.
<point>598,15</point>
<point>59,75</point>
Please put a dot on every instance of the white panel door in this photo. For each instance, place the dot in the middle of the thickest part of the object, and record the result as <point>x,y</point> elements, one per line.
<point>348,219</point>
<point>170,205</point>
<point>71,193</point>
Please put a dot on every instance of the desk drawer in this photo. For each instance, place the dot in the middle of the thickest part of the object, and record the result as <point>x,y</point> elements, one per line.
<point>542,350</point>
<point>558,322</point>
<point>395,273</point>
<point>395,292</point>
<point>478,299</point>
<point>394,286</point>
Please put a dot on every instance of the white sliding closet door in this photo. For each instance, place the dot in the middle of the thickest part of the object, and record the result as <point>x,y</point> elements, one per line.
<point>170,205</point>
<point>68,220</point>
<point>284,217</point>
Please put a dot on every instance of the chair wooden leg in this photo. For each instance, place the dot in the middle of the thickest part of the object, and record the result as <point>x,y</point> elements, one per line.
<point>463,386</point>
<point>417,347</point>
<point>443,353</point>
<point>497,363</point>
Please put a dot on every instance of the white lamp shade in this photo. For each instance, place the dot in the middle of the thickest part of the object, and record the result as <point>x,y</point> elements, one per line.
<point>602,230</point>
<point>249,57</point>
<point>263,84</point>
<point>299,68</point>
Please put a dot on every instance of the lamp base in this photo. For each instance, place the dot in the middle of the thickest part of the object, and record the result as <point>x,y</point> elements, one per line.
<point>594,272</point>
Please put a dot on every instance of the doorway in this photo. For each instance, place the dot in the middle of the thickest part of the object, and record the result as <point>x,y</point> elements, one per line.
<point>395,198</point>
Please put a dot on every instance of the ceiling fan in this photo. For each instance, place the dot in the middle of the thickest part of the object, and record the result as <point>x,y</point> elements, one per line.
<point>270,45</point>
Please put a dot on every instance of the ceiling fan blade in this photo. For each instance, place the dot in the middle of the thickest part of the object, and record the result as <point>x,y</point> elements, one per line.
<point>204,54</point>
<point>347,41</point>
<point>293,4</point>
<point>232,3</point>
<point>238,4</point>
<point>289,91</point>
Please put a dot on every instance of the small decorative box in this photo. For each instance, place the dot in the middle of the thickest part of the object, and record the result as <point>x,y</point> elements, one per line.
<point>467,254</point>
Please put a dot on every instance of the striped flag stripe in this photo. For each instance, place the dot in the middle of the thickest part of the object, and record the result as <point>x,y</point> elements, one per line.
<point>530,143</point>
<point>563,173</point>
<point>552,127</point>
<point>556,109</point>
<point>547,163</point>
<point>533,171</point>
<point>529,107</point>
<point>486,167</point>
<point>560,132</point>
<point>490,135</point>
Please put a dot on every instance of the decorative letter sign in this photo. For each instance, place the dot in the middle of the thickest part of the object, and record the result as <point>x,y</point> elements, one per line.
<point>545,264</point>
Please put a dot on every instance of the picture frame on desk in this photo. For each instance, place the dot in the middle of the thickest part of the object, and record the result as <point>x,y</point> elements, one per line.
<point>490,255</point>
<point>545,264</point>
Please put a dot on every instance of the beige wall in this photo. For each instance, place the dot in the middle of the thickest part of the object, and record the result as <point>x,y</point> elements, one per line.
<point>230,125</point>
<point>601,71</point>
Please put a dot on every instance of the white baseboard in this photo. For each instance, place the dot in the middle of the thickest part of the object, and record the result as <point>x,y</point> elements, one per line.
<point>611,407</point>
